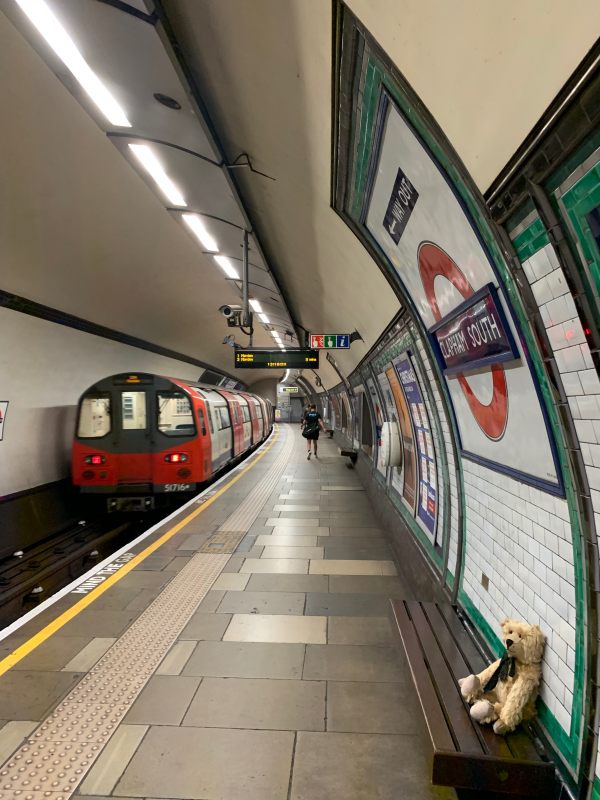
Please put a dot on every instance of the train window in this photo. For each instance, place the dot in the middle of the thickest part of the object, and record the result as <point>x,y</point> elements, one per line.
<point>202,422</point>
<point>133,411</point>
<point>94,416</point>
<point>259,413</point>
<point>224,418</point>
<point>175,415</point>
<point>246,413</point>
<point>209,414</point>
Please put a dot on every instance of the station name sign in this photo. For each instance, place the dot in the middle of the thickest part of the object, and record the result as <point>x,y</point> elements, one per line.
<point>259,358</point>
<point>475,334</point>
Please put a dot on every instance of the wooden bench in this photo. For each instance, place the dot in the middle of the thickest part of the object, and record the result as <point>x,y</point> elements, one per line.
<point>467,756</point>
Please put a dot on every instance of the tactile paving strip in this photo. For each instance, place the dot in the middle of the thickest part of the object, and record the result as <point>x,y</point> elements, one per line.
<point>222,542</point>
<point>245,514</point>
<point>59,753</point>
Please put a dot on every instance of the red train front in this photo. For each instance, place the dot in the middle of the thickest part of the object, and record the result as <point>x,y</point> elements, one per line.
<point>142,437</point>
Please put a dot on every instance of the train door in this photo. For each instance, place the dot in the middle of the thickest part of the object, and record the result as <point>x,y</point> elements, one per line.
<point>236,421</point>
<point>254,406</point>
<point>244,406</point>
<point>133,436</point>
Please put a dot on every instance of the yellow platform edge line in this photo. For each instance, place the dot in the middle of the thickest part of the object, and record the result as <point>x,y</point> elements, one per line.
<point>56,624</point>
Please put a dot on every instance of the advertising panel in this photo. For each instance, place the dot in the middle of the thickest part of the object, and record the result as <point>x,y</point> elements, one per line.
<point>391,414</point>
<point>429,239</point>
<point>427,500</point>
<point>378,419</point>
<point>409,482</point>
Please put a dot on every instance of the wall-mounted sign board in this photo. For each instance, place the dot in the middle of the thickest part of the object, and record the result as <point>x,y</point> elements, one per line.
<point>259,358</point>
<point>330,341</point>
<point>289,389</point>
<point>475,334</point>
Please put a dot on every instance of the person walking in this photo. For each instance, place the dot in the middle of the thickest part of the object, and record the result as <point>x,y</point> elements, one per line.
<point>311,425</point>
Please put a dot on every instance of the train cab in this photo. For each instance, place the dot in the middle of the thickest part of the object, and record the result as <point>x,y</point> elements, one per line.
<point>141,437</point>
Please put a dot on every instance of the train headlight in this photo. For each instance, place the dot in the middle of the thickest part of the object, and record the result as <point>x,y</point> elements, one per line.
<point>176,458</point>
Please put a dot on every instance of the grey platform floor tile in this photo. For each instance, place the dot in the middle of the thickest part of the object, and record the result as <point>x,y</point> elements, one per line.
<point>89,655</point>
<point>53,654</point>
<point>280,540</point>
<point>117,599</point>
<point>141,600</point>
<point>296,521</point>
<point>351,567</point>
<point>338,662</point>
<point>234,564</point>
<point>109,767</point>
<point>206,627</point>
<point>352,541</point>
<point>232,581</point>
<point>288,583</point>
<point>364,707</point>
<point>177,564</point>
<point>103,623</point>
<point>194,541</point>
<point>346,605</point>
<point>13,735</point>
<point>279,628</point>
<point>30,695</point>
<point>336,520</point>
<point>293,551</point>
<point>296,530</point>
<point>226,764</point>
<point>256,703</point>
<point>176,658</point>
<point>339,529</point>
<point>376,552</point>
<point>359,630</point>
<point>249,602</point>
<point>362,767</point>
<point>276,566</point>
<point>163,701</point>
<point>211,602</point>
<point>246,660</point>
<point>388,585</point>
<point>142,579</point>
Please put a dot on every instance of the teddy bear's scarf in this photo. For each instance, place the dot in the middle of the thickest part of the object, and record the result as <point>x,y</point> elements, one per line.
<point>505,669</point>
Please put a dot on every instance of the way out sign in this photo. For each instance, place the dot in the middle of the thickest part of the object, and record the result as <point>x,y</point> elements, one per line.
<point>3,410</point>
<point>330,341</point>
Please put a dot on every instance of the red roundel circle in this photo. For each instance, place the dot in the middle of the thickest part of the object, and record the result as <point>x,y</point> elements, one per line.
<point>493,417</point>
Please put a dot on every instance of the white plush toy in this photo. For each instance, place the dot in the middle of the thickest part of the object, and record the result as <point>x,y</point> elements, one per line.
<point>506,691</point>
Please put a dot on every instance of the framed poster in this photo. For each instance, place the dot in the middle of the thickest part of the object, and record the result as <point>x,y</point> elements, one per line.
<point>430,241</point>
<point>409,459</point>
<point>391,414</point>
<point>427,494</point>
<point>379,419</point>
<point>3,411</point>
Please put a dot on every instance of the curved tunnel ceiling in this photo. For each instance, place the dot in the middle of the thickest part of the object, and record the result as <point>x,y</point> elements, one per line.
<point>87,232</point>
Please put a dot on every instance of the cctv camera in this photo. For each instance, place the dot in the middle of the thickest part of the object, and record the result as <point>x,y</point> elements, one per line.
<point>230,311</point>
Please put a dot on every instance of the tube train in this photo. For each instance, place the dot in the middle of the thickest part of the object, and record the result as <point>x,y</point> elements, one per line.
<point>140,438</point>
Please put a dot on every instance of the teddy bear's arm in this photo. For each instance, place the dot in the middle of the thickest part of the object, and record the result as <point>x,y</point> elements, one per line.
<point>512,711</point>
<point>487,673</point>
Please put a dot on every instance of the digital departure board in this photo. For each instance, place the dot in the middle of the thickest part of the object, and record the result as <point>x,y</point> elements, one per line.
<point>276,359</point>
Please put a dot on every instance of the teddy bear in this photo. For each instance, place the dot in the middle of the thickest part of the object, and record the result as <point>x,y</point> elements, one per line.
<point>506,691</point>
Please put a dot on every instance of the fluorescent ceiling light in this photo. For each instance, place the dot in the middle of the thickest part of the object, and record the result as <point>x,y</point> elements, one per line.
<point>275,335</point>
<point>227,267</point>
<point>281,347</point>
<point>286,376</point>
<point>255,305</point>
<point>155,169</point>
<point>197,227</point>
<point>264,318</point>
<point>64,47</point>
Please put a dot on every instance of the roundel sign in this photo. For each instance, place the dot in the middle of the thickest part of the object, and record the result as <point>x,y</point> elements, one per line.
<point>491,417</point>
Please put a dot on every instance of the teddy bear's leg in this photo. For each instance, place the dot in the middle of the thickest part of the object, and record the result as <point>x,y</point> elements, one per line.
<point>470,688</point>
<point>483,712</point>
<point>512,711</point>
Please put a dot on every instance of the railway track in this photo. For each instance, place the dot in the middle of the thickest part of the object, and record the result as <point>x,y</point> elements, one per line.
<point>27,578</point>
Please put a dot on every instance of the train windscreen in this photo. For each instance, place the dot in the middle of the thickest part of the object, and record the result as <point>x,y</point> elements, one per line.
<point>94,416</point>
<point>175,415</point>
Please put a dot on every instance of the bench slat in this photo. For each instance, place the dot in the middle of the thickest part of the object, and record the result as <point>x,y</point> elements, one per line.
<point>490,775</point>
<point>439,734</point>
<point>492,744</point>
<point>448,690</point>
<point>519,744</point>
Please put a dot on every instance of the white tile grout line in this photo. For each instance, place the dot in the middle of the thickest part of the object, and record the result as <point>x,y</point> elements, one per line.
<point>199,499</point>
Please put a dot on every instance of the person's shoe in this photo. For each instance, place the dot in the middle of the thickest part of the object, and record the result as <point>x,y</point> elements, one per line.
<point>308,455</point>
<point>316,456</point>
